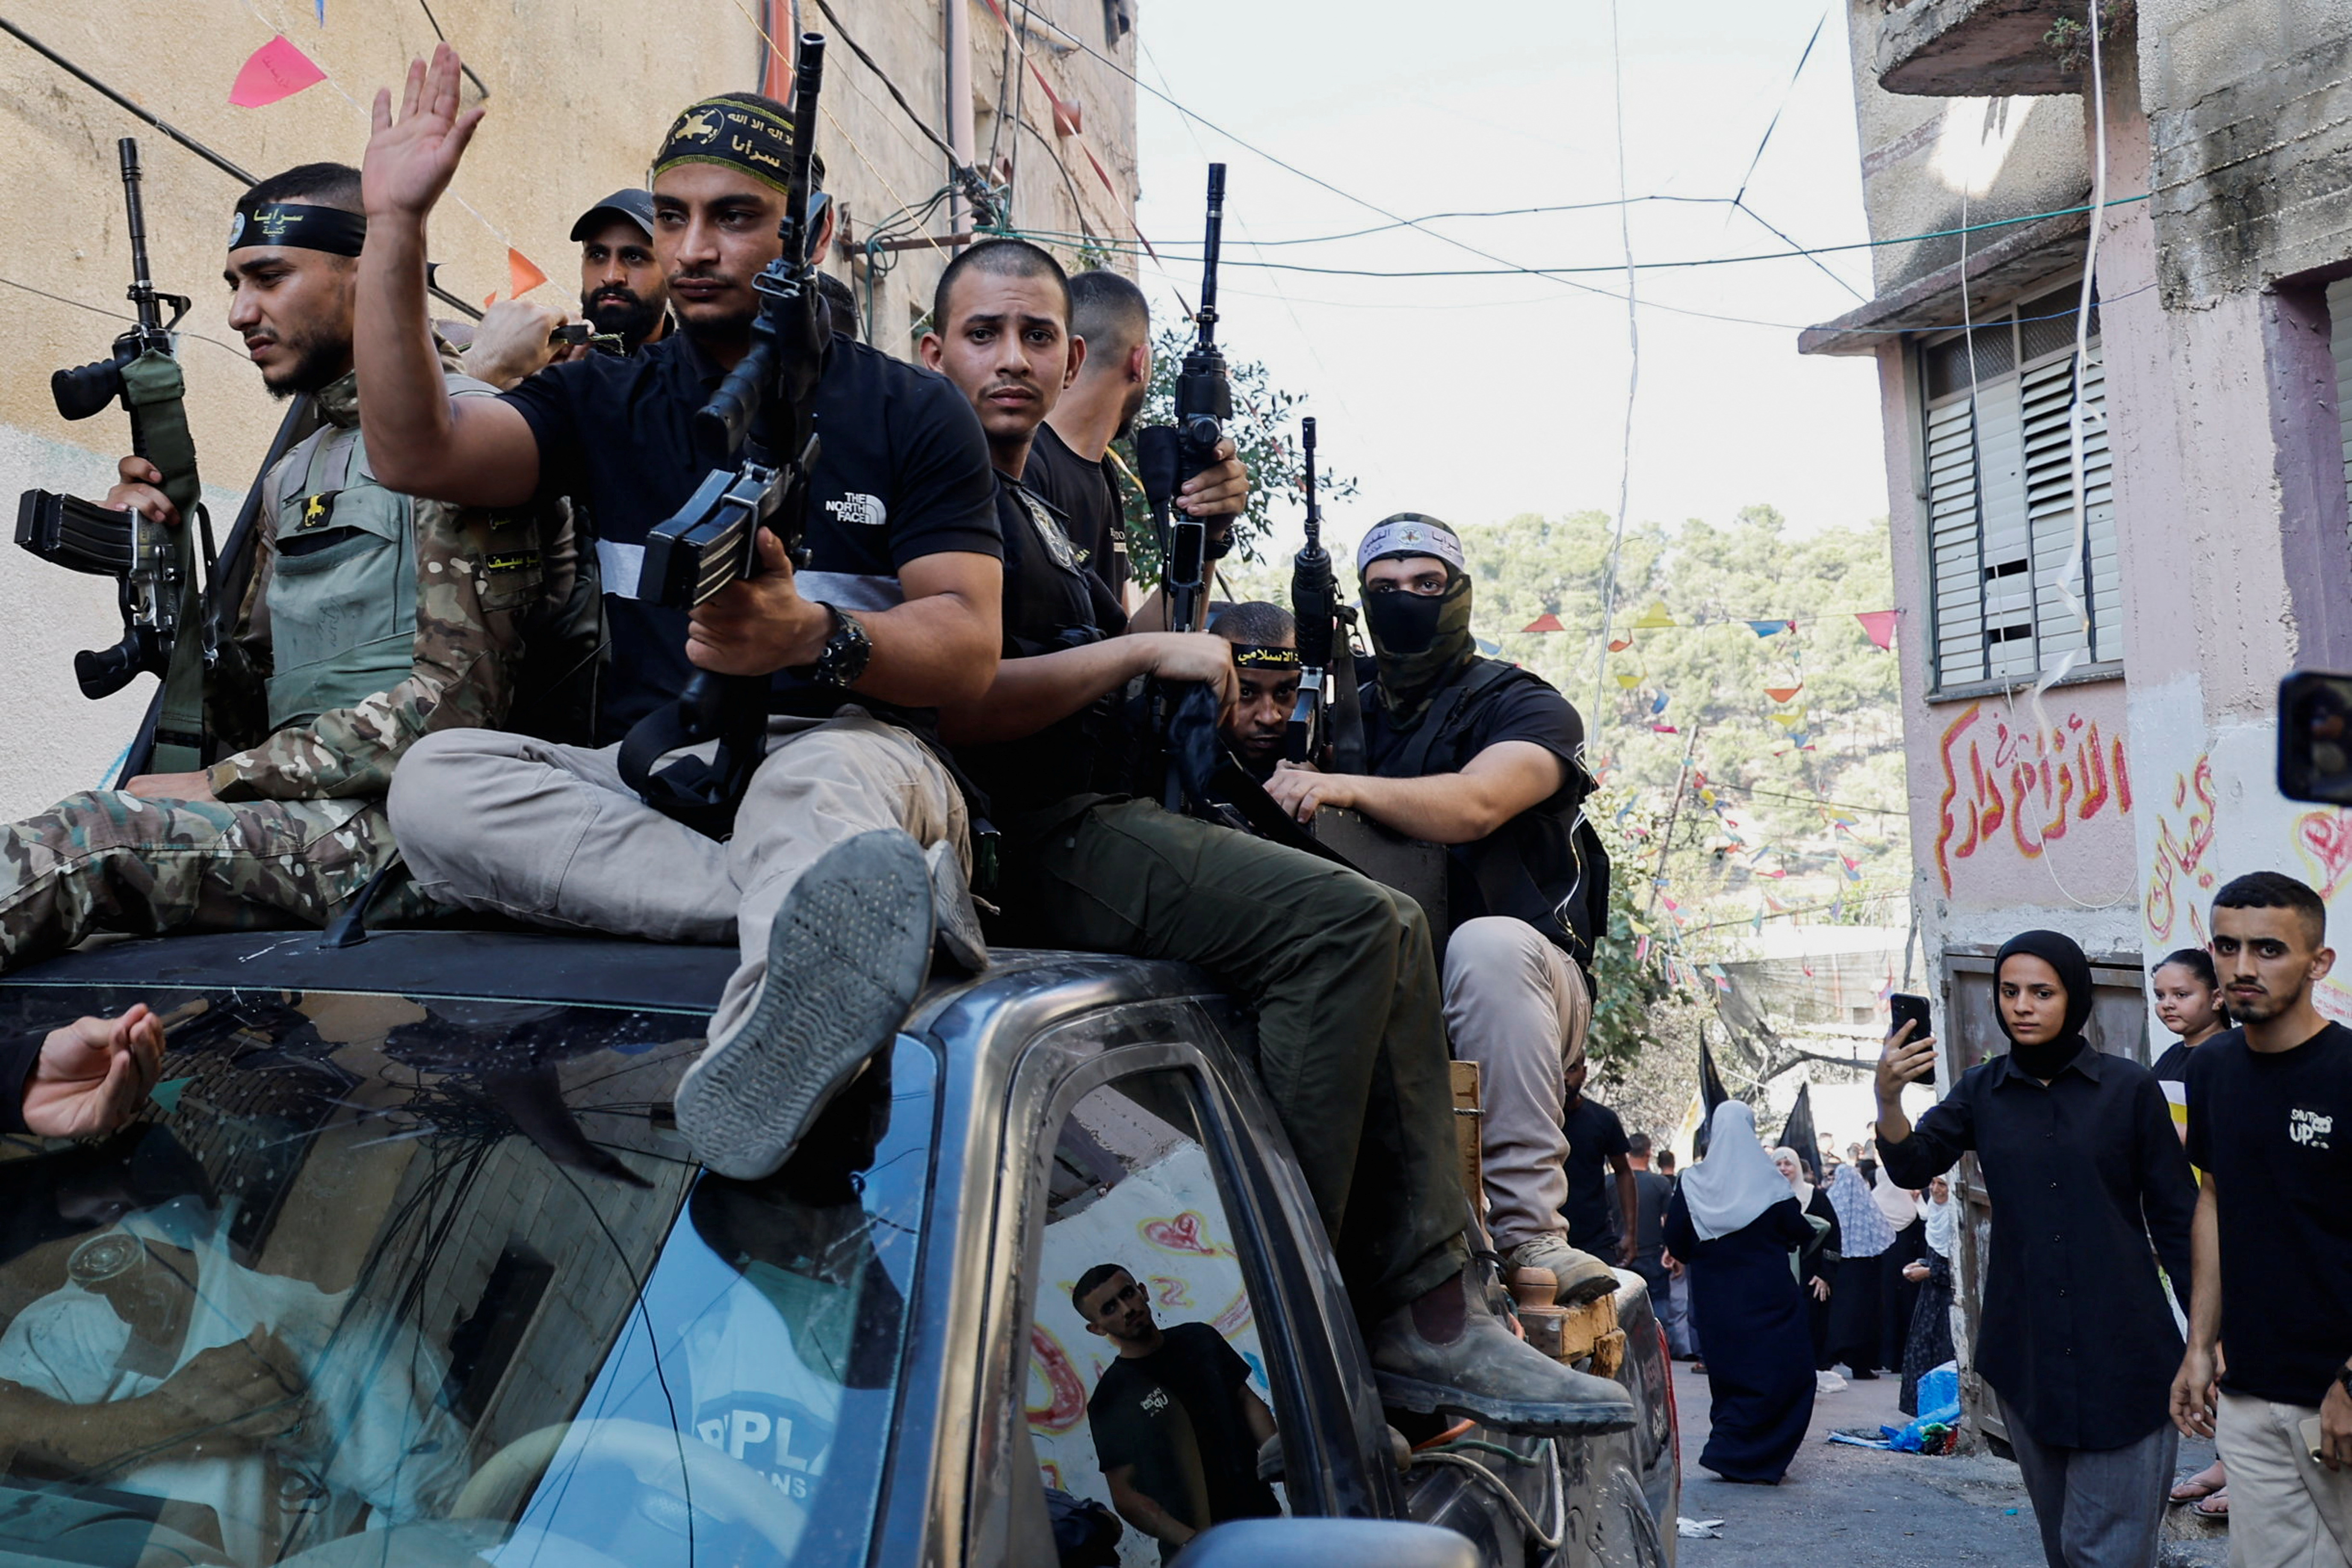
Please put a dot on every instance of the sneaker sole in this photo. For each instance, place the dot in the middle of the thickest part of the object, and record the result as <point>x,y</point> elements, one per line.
<point>847,956</point>
<point>1597,1418</point>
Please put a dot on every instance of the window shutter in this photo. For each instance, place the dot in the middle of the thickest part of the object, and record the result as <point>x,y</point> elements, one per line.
<point>1956,582</point>
<point>2008,539</point>
<point>2048,394</point>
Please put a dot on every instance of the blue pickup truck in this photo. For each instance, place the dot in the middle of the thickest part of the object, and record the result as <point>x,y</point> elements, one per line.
<point>408,1265</point>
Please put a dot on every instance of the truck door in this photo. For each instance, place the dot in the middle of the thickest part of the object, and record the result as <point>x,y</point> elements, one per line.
<point>1175,1316</point>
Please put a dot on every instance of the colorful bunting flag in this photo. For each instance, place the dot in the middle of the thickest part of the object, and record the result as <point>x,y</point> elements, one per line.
<point>521,275</point>
<point>1546,622</point>
<point>1658,703</point>
<point>1628,682</point>
<point>1879,624</point>
<point>1782,693</point>
<point>1788,721</point>
<point>1654,616</point>
<point>1641,949</point>
<point>1620,644</point>
<point>1853,867</point>
<point>1663,729</point>
<point>276,71</point>
<point>1768,629</point>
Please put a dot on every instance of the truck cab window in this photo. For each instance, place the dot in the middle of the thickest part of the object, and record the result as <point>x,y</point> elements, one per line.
<point>1149,1396</point>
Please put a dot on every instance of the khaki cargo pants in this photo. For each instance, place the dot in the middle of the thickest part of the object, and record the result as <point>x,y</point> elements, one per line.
<point>106,860</point>
<point>551,834</point>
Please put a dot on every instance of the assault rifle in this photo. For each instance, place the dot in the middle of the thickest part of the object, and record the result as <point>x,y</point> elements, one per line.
<point>153,565</point>
<point>1315,607</point>
<point>759,436</point>
<point>1167,455</point>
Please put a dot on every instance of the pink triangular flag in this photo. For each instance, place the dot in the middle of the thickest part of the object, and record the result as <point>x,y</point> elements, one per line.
<point>277,69</point>
<point>1879,624</point>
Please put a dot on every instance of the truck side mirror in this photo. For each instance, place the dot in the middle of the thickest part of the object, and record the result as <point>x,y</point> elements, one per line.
<point>1328,1544</point>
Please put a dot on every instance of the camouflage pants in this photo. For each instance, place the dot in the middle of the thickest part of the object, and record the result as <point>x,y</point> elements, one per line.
<point>106,860</point>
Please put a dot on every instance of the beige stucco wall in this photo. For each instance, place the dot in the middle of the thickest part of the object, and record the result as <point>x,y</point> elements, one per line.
<point>578,97</point>
<point>1930,165</point>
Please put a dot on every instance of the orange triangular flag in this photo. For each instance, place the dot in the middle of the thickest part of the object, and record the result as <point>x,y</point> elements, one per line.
<point>1546,622</point>
<point>1620,644</point>
<point>521,274</point>
<point>1782,693</point>
<point>489,299</point>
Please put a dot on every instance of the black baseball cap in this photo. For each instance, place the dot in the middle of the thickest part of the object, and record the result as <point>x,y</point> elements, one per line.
<point>633,204</point>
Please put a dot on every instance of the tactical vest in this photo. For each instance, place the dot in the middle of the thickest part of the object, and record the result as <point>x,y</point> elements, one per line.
<point>342,599</point>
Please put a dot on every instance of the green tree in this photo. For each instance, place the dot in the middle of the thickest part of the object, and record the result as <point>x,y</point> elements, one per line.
<point>1265,432</point>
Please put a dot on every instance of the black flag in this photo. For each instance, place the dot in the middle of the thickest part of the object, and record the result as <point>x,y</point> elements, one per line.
<point>1711,1093</point>
<point>1797,1134</point>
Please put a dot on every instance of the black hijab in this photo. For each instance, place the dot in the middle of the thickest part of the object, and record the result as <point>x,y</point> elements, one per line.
<point>2048,1059</point>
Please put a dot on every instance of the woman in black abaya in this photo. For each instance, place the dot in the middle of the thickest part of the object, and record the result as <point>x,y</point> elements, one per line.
<point>1734,1226</point>
<point>1856,1333</point>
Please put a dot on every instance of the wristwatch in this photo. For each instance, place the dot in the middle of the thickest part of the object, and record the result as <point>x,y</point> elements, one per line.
<point>847,652</point>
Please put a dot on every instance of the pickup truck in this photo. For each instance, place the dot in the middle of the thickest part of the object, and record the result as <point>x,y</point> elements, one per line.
<point>407,1266</point>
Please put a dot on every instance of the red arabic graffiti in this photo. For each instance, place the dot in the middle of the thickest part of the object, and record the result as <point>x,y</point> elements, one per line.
<point>2324,839</point>
<point>1989,783</point>
<point>2181,852</point>
<point>1186,1233</point>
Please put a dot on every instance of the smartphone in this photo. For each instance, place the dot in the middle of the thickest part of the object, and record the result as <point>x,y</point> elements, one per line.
<point>2315,738</point>
<point>1906,1008</point>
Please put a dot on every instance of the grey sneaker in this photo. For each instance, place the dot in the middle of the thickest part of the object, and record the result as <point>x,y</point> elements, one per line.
<point>960,939</point>
<point>1582,1277</point>
<point>847,958</point>
<point>1491,1377</point>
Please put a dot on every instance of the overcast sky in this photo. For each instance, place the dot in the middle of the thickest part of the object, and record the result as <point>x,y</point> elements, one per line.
<point>1477,398</point>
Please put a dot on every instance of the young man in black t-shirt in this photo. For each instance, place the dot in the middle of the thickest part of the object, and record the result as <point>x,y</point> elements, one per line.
<point>1070,461</point>
<point>2270,1128</point>
<point>1337,969</point>
<point>849,850</point>
<point>1603,1203</point>
<point>1480,756</point>
<point>1176,1426</point>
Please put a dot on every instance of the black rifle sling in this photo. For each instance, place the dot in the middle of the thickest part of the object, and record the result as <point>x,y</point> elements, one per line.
<point>1412,761</point>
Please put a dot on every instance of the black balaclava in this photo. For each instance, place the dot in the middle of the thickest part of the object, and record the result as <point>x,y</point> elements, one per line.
<point>1420,640</point>
<point>2047,1060</point>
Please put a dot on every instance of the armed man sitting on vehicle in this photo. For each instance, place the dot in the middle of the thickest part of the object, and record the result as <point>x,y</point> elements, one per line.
<point>370,621</point>
<point>1070,462</point>
<point>1265,669</point>
<point>624,302</point>
<point>824,881</point>
<point>1340,971</point>
<point>1481,756</point>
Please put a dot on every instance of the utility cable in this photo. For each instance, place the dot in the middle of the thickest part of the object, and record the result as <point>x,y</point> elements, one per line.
<point>1600,708</point>
<point>913,119</point>
<point>1790,93</point>
<point>479,85</point>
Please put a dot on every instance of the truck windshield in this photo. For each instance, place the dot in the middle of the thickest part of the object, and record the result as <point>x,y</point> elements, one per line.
<point>408,1282</point>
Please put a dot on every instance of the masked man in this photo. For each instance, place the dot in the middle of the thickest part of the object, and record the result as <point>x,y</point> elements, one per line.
<point>1482,757</point>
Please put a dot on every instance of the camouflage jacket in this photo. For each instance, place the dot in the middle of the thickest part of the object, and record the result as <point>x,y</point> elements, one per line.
<point>479,575</point>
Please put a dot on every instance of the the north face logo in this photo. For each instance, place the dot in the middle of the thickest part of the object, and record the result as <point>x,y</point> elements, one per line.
<point>861,509</point>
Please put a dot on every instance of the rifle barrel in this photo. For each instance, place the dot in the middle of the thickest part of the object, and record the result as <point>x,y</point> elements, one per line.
<point>143,283</point>
<point>1207,315</point>
<point>1314,506</point>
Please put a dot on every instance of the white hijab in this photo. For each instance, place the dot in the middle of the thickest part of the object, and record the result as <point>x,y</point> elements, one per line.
<point>1736,1181</point>
<point>1943,1224</point>
<point>1797,1184</point>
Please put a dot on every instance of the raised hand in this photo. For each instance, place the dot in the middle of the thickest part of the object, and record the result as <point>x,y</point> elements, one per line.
<point>410,160</point>
<point>93,1073</point>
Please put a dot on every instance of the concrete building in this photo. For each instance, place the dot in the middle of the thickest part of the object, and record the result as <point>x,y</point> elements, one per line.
<point>577,98</point>
<point>2210,554</point>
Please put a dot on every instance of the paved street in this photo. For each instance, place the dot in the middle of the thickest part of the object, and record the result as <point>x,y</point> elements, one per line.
<point>1862,1508</point>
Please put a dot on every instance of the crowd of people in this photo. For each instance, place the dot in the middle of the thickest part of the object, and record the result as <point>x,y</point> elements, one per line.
<point>443,652</point>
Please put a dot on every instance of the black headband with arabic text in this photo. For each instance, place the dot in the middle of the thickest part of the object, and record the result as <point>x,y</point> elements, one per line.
<point>1253,655</point>
<point>330,229</point>
<point>735,135</point>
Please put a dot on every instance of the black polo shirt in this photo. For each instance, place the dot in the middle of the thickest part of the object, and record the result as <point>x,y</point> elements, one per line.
<point>1088,497</point>
<point>2077,1338</point>
<point>902,473</point>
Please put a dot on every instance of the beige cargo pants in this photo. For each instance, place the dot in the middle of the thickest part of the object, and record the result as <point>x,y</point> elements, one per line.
<point>552,836</point>
<point>1517,1007</point>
